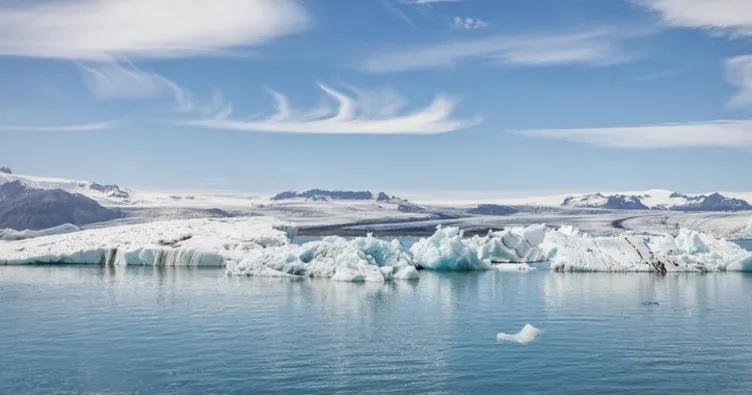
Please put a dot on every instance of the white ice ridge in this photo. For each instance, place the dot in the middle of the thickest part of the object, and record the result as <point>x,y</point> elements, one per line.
<point>11,234</point>
<point>193,242</point>
<point>527,335</point>
<point>359,259</point>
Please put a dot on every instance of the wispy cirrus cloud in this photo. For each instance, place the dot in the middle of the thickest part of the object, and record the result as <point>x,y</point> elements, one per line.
<point>426,2</point>
<point>363,113</point>
<point>596,47</point>
<point>112,80</point>
<point>720,134</point>
<point>117,29</point>
<point>83,127</point>
<point>468,23</point>
<point>726,16</point>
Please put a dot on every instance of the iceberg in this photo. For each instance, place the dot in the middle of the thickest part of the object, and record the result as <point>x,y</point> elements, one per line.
<point>193,242</point>
<point>448,250</point>
<point>358,260</point>
<point>527,335</point>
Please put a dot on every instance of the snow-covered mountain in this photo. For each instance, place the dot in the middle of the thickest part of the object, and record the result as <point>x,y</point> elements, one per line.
<point>658,200</point>
<point>22,207</point>
<point>104,194</point>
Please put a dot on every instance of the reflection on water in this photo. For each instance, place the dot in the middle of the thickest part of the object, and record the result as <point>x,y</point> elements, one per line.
<point>182,331</point>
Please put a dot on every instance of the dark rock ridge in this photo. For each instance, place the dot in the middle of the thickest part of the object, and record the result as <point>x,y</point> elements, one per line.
<point>492,209</point>
<point>23,208</point>
<point>6,170</point>
<point>111,190</point>
<point>623,202</point>
<point>407,207</point>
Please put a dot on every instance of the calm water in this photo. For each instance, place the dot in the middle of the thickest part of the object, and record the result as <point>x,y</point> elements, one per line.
<point>90,330</point>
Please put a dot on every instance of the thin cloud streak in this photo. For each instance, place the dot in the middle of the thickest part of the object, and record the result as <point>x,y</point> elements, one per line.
<point>599,47</point>
<point>118,29</point>
<point>84,127</point>
<point>719,134</point>
<point>365,113</point>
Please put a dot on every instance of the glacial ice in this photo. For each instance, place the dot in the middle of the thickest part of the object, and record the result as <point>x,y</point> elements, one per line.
<point>527,335</point>
<point>360,259</point>
<point>12,234</point>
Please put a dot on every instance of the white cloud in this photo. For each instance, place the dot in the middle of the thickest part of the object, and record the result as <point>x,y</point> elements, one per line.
<point>85,127</point>
<point>732,16</point>
<point>725,133</point>
<point>468,23</point>
<point>367,113</point>
<point>739,74</point>
<point>116,29</point>
<point>596,48</point>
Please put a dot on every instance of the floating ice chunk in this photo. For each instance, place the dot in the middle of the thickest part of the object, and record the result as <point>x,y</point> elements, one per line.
<point>357,260</point>
<point>513,267</point>
<point>527,335</point>
<point>11,234</point>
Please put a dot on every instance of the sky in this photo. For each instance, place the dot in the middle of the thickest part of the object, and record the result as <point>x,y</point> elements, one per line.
<point>434,96</point>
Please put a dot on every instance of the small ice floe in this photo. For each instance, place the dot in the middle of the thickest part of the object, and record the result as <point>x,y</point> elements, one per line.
<point>526,336</point>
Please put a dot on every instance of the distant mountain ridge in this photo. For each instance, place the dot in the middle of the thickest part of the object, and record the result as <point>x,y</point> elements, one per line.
<point>658,200</point>
<point>327,195</point>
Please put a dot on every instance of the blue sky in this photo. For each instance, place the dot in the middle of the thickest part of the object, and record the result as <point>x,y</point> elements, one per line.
<point>400,95</point>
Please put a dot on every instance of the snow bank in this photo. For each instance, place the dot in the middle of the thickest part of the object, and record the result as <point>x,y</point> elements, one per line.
<point>359,259</point>
<point>447,249</point>
<point>12,234</point>
<point>193,242</point>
